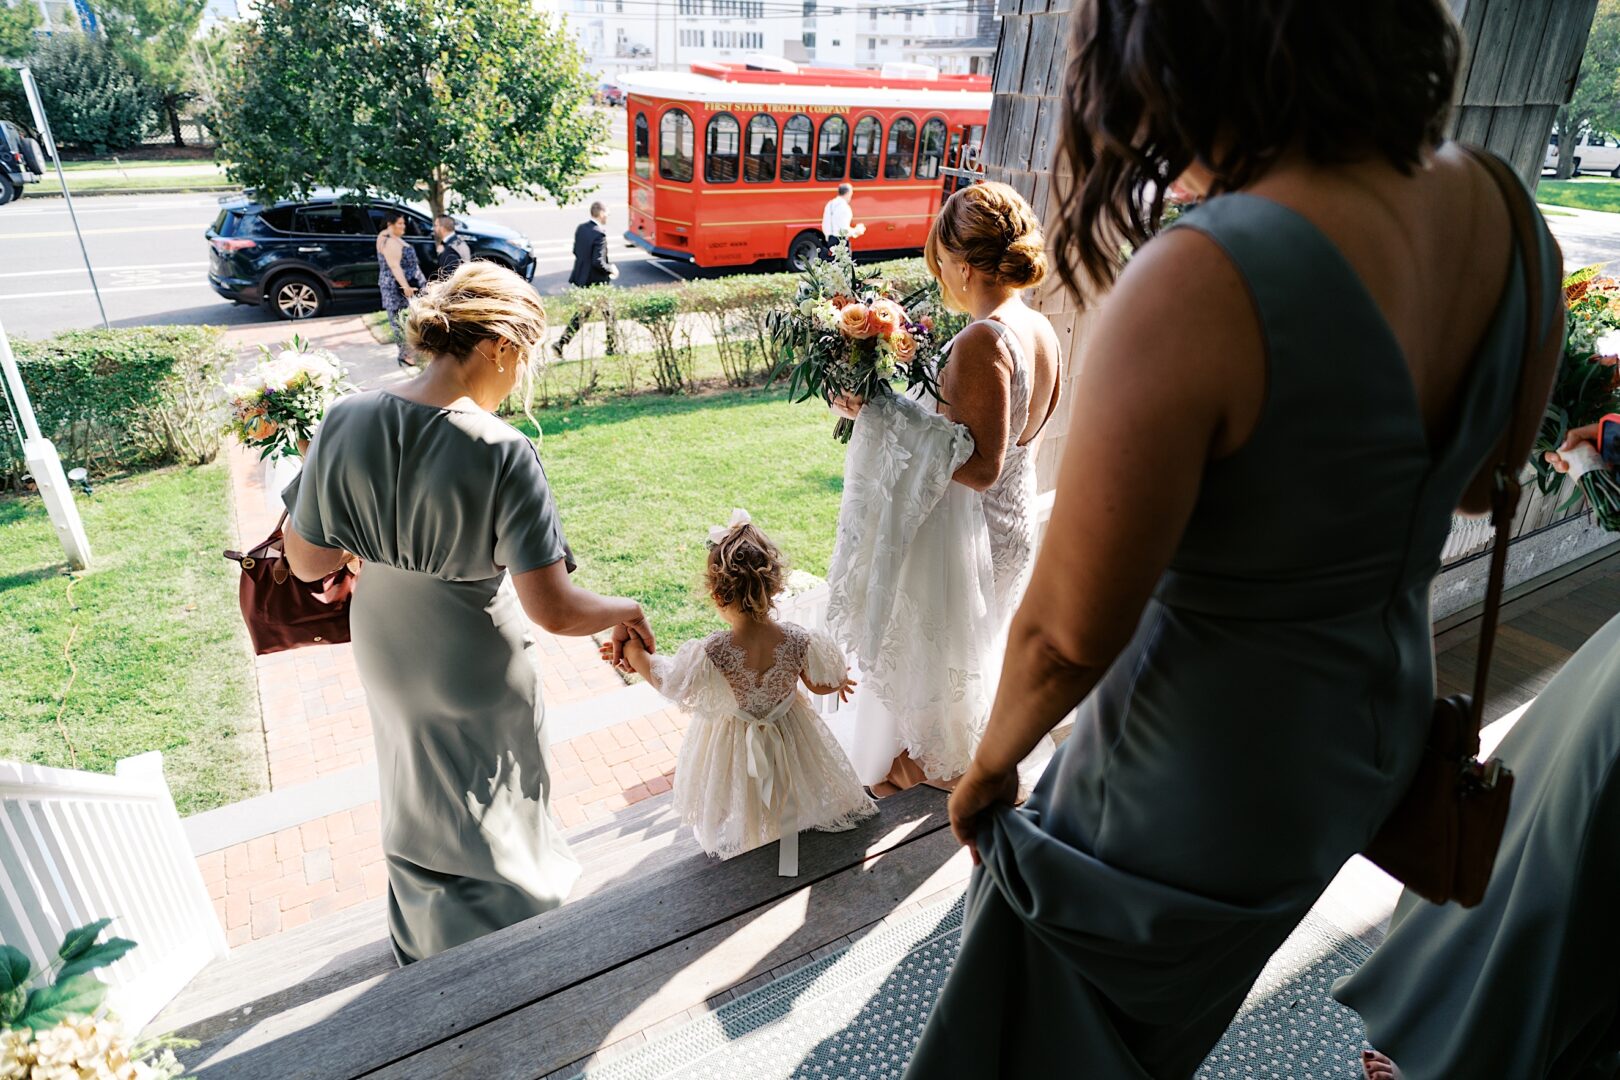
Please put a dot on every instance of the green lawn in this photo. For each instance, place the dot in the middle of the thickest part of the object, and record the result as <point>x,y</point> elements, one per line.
<point>163,661</point>
<point>205,177</point>
<point>1587,193</point>
<point>640,479</point>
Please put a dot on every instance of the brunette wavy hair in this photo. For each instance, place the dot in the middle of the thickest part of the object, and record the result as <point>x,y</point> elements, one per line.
<point>1155,85</point>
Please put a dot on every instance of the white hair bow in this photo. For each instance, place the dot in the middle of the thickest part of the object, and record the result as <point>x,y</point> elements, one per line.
<point>718,533</point>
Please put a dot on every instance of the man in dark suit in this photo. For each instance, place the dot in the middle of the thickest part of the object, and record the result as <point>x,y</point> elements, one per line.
<point>591,267</point>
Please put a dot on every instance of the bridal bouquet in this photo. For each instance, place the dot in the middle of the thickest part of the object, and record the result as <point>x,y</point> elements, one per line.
<point>52,1024</point>
<point>1586,388</point>
<point>850,332</point>
<point>284,398</point>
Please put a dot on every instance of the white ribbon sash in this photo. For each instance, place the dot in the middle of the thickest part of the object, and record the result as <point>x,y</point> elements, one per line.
<point>767,766</point>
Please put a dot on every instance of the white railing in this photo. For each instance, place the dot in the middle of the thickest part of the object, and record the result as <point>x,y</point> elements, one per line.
<point>78,846</point>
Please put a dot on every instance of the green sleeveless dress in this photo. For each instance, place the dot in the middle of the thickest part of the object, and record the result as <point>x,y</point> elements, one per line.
<point>1266,715</point>
<point>443,504</point>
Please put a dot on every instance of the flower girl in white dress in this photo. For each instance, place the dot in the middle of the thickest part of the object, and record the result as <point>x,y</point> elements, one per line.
<point>756,764</point>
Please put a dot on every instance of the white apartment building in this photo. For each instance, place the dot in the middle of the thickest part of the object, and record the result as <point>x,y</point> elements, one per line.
<point>630,35</point>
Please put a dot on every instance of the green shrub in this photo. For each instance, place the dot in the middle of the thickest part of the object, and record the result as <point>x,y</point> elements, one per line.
<point>115,399</point>
<point>658,312</point>
<point>93,99</point>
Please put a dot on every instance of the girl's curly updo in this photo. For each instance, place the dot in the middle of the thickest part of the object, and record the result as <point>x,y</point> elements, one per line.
<point>747,570</point>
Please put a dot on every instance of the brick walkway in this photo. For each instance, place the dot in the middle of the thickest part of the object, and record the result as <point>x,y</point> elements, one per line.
<point>316,723</point>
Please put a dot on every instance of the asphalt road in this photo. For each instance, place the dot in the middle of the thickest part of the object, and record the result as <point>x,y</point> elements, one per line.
<point>151,259</point>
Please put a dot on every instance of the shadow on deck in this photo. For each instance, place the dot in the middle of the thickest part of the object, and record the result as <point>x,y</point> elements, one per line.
<point>657,933</point>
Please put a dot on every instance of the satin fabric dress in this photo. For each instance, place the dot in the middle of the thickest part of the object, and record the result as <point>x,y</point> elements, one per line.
<point>444,505</point>
<point>1264,718</point>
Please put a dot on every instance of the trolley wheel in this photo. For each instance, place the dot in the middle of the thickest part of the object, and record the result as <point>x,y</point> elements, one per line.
<point>804,251</point>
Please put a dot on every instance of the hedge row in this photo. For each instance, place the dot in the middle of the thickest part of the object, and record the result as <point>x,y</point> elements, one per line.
<point>115,399</point>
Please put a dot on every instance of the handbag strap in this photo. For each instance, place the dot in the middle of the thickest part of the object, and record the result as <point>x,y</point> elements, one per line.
<point>258,550</point>
<point>1505,482</point>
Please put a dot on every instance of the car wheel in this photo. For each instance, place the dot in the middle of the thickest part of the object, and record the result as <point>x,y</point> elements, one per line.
<point>804,251</point>
<point>8,190</point>
<point>297,296</point>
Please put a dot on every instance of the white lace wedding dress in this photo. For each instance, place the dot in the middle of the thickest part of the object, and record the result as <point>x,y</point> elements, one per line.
<point>756,763</point>
<point>925,577</point>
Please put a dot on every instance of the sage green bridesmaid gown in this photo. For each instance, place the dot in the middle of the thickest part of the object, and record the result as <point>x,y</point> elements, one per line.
<point>1265,717</point>
<point>443,504</point>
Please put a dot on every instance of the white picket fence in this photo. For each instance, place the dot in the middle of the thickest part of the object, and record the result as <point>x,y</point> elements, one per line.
<point>78,846</point>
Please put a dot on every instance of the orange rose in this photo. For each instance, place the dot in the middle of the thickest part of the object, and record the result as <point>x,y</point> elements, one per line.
<point>261,427</point>
<point>841,300</point>
<point>903,344</point>
<point>854,321</point>
<point>886,317</point>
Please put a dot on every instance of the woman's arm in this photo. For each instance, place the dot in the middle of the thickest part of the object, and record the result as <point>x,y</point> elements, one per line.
<point>391,248</point>
<point>976,385</point>
<point>1143,378</point>
<point>558,606</point>
<point>307,561</point>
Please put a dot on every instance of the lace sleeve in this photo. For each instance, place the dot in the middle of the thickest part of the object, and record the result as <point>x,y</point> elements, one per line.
<point>824,661</point>
<point>689,678</point>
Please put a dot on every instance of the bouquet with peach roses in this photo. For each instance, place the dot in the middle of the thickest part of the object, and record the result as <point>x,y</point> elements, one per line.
<point>1587,388</point>
<point>849,332</point>
<point>280,403</point>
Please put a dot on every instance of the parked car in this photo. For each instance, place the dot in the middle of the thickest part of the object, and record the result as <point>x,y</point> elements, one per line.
<point>21,161</point>
<point>1595,151</point>
<point>297,257</point>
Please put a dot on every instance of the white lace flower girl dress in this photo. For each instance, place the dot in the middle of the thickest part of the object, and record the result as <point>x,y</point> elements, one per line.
<point>756,763</point>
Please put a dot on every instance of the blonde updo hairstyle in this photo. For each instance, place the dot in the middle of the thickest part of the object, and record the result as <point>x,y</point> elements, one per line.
<point>478,302</point>
<point>747,570</point>
<point>990,227</point>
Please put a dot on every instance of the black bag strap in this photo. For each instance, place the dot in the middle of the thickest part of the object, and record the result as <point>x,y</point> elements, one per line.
<point>1505,482</point>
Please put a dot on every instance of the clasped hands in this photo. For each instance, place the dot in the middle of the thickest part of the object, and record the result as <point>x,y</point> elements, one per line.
<point>638,629</point>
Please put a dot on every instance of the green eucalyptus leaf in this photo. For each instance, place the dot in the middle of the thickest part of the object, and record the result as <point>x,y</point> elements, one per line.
<point>15,968</point>
<point>48,1006</point>
<point>80,941</point>
<point>100,955</point>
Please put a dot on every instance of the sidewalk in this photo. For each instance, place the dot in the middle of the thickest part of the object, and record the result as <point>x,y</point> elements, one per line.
<point>612,745</point>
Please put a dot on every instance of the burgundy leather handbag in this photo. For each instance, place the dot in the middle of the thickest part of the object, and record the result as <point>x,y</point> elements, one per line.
<point>283,612</point>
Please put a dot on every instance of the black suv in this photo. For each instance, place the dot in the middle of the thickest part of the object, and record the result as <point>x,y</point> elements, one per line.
<point>298,257</point>
<point>21,161</point>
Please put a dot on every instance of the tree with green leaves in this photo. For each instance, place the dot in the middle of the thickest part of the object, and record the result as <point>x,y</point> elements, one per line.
<point>153,37</point>
<point>19,21</point>
<point>1595,105</point>
<point>92,98</point>
<point>456,102</point>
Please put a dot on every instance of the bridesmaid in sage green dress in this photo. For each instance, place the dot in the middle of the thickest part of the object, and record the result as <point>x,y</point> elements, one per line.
<point>1280,405</point>
<point>449,510</point>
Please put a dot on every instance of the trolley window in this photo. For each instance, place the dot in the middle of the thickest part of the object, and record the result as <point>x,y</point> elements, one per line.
<point>643,154</point>
<point>759,163</point>
<point>675,138</point>
<point>863,160</point>
<point>797,136</point>
<point>902,149</point>
<point>832,149</point>
<point>931,149</point>
<point>721,149</point>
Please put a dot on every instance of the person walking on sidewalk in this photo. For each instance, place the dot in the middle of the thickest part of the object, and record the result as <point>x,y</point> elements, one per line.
<point>838,220</point>
<point>399,276</point>
<point>591,267</point>
<point>453,249</point>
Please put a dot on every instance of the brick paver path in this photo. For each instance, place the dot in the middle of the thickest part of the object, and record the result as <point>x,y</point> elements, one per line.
<point>316,723</point>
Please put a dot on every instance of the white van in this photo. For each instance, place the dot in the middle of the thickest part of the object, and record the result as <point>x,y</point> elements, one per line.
<point>1595,152</point>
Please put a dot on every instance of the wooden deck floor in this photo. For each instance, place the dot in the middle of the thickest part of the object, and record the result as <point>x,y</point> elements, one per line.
<point>658,933</point>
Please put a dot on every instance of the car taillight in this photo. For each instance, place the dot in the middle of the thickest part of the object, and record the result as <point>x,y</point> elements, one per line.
<point>225,245</point>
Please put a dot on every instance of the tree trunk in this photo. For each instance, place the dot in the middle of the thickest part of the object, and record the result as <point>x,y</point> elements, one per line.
<point>436,197</point>
<point>174,121</point>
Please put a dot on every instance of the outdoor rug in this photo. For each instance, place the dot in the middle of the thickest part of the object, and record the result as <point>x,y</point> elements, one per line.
<point>858,1013</point>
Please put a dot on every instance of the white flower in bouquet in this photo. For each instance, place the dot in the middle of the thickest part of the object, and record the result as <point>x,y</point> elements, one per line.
<point>800,582</point>
<point>1607,344</point>
<point>825,314</point>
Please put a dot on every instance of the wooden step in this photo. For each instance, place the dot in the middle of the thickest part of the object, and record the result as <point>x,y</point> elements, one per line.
<point>662,929</point>
<point>277,973</point>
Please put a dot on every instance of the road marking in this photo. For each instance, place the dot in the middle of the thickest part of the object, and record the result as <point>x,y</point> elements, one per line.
<point>105,232</point>
<point>27,211</point>
<point>115,289</point>
<point>658,264</point>
<point>109,269</point>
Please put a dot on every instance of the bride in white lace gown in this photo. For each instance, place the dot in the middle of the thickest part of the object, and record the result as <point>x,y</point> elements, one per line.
<point>936,532</point>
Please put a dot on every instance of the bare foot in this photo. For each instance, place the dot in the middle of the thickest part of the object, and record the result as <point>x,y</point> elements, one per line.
<point>1378,1067</point>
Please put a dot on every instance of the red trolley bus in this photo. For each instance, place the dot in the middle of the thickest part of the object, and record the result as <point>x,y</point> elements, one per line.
<point>730,164</point>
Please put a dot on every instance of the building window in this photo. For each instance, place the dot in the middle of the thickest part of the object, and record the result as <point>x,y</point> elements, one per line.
<point>836,43</point>
<point>643,158</point>
<point>902,149</point>
<point>759,164</point>
<point>832,148</point>
<point>797,135</point>
<point>675,139</point>
<point>809,9</point>
<point>931,149</point>
<point>809,39</point>
<point>720,150</point>
<point>863,160</point>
